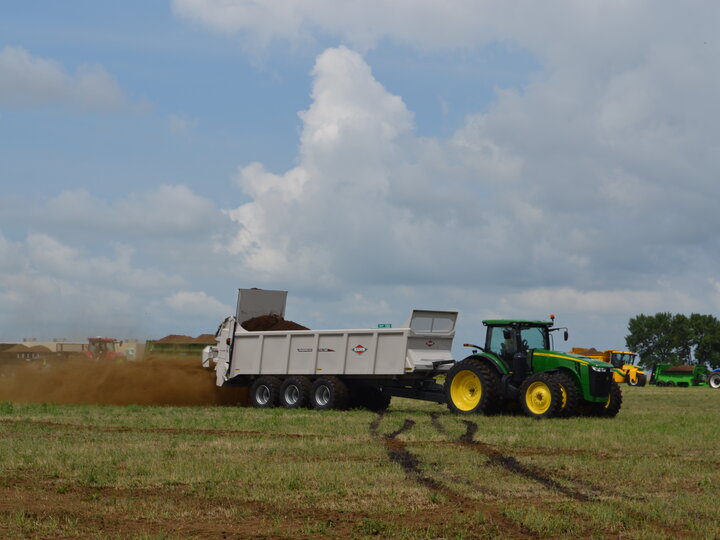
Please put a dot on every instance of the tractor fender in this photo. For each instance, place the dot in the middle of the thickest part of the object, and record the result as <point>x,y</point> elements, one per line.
<point>575,376</point>
<point>491,361</point>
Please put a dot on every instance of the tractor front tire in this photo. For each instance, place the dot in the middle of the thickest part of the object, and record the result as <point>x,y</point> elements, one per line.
<point>541,395</point>
<point>329,393</point>
<point>713,379</point>
<point>264,392</point>
<point>611,407</point>
<point>570,395</point>
<point>472,387</point>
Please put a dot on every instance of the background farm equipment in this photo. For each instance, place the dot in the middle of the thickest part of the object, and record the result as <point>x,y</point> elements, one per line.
<point>687,375</point>
<point>626,371</point>
<point>104,349</point>
<point>178,345</point>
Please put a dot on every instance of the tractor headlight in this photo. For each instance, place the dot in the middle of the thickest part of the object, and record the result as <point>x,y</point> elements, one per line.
<point>599,369</point>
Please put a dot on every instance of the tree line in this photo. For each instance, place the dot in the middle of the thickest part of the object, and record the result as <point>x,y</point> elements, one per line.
<point>675,339</point>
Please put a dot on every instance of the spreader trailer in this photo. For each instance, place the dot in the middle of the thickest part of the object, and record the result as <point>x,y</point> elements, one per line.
<point>331,369</point>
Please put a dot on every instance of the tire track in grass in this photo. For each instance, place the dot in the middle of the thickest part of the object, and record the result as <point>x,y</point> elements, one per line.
<point>398,453</point>
<point>514,466</point>
<point>508,462</point>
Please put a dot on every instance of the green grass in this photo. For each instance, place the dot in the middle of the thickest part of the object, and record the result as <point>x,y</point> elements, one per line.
<point>180,472</point>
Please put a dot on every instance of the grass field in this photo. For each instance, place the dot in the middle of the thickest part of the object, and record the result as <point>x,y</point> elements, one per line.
<point>416,471</point>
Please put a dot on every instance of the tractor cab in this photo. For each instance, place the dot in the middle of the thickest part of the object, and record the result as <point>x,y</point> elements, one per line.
<point>507,339</point>
<point>101,348</point>
<point>620,359</point>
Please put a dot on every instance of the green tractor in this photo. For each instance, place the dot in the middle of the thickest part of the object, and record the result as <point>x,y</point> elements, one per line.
<point>518,364</point>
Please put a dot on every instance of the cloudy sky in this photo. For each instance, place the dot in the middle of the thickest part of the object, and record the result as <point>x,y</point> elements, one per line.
<point>503,159</point>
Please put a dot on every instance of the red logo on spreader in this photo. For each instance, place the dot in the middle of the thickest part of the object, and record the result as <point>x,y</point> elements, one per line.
<point>429,343</point>
<point>359,349</point>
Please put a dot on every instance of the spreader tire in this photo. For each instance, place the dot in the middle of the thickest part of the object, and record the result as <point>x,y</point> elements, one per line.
<point>611,407</point>
<point>329,393</point>
<point>713,379</point>
<point>570,395</point>
<point>295,392</point>
<point>541,395</point>
<point>471,387</point>
<point>264,392</point>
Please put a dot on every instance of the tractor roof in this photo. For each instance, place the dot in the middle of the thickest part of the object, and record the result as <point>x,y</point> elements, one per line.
<point>521,322</point>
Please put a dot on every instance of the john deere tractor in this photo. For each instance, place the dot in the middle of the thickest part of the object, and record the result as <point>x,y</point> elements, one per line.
<point>517,364</point>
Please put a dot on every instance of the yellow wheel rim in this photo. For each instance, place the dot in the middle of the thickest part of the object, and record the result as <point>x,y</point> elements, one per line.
<point>563,395</point>
<point>609,400</point>
<point>538,397</point>
<point>466,390</point>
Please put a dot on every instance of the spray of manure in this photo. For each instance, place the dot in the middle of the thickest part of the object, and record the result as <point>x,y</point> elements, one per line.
<point>157,380</point>
<point>153,381</point>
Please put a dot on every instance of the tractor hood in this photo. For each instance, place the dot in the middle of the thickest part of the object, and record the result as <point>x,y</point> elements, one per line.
<point>595,365</point>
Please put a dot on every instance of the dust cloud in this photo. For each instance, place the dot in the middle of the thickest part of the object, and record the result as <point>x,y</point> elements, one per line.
<point>153,381</point>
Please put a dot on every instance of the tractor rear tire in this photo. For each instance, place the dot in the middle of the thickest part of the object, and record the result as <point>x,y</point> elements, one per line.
<point>295,392</point>
<point>472,387</point>
<point>264,392</point>
<point>570,395</point>
<point>713,379</point>
<point>329,393</point>
<point>611,407</point>
<point>541,395</point>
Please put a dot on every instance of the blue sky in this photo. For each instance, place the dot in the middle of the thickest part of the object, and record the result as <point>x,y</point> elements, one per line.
<point>504,160</point>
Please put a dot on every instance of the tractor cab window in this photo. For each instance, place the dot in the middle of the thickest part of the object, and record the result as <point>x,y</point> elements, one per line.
<point>99,347</point>
<point>534,337</point>
<point>617,360</point>
<point>502,342</point>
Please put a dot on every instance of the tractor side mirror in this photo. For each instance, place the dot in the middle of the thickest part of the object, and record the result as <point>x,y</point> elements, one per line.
<point>565,335</point>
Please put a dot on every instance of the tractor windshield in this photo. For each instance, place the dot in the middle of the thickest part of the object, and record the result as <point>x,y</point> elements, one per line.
<point>505,341</point>
<point>535,337</point>
<point>98,347</point>
<point>619,359</point>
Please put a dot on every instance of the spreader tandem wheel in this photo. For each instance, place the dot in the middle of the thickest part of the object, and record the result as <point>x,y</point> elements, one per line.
<point>471,387</point>
<point>329,393</point>
<point>295,392</point>
<point>264,392</point>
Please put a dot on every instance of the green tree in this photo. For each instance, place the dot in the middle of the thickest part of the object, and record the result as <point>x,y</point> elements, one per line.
<point>675,339</point>
<point>651,337</point>
<point>706,339</point>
